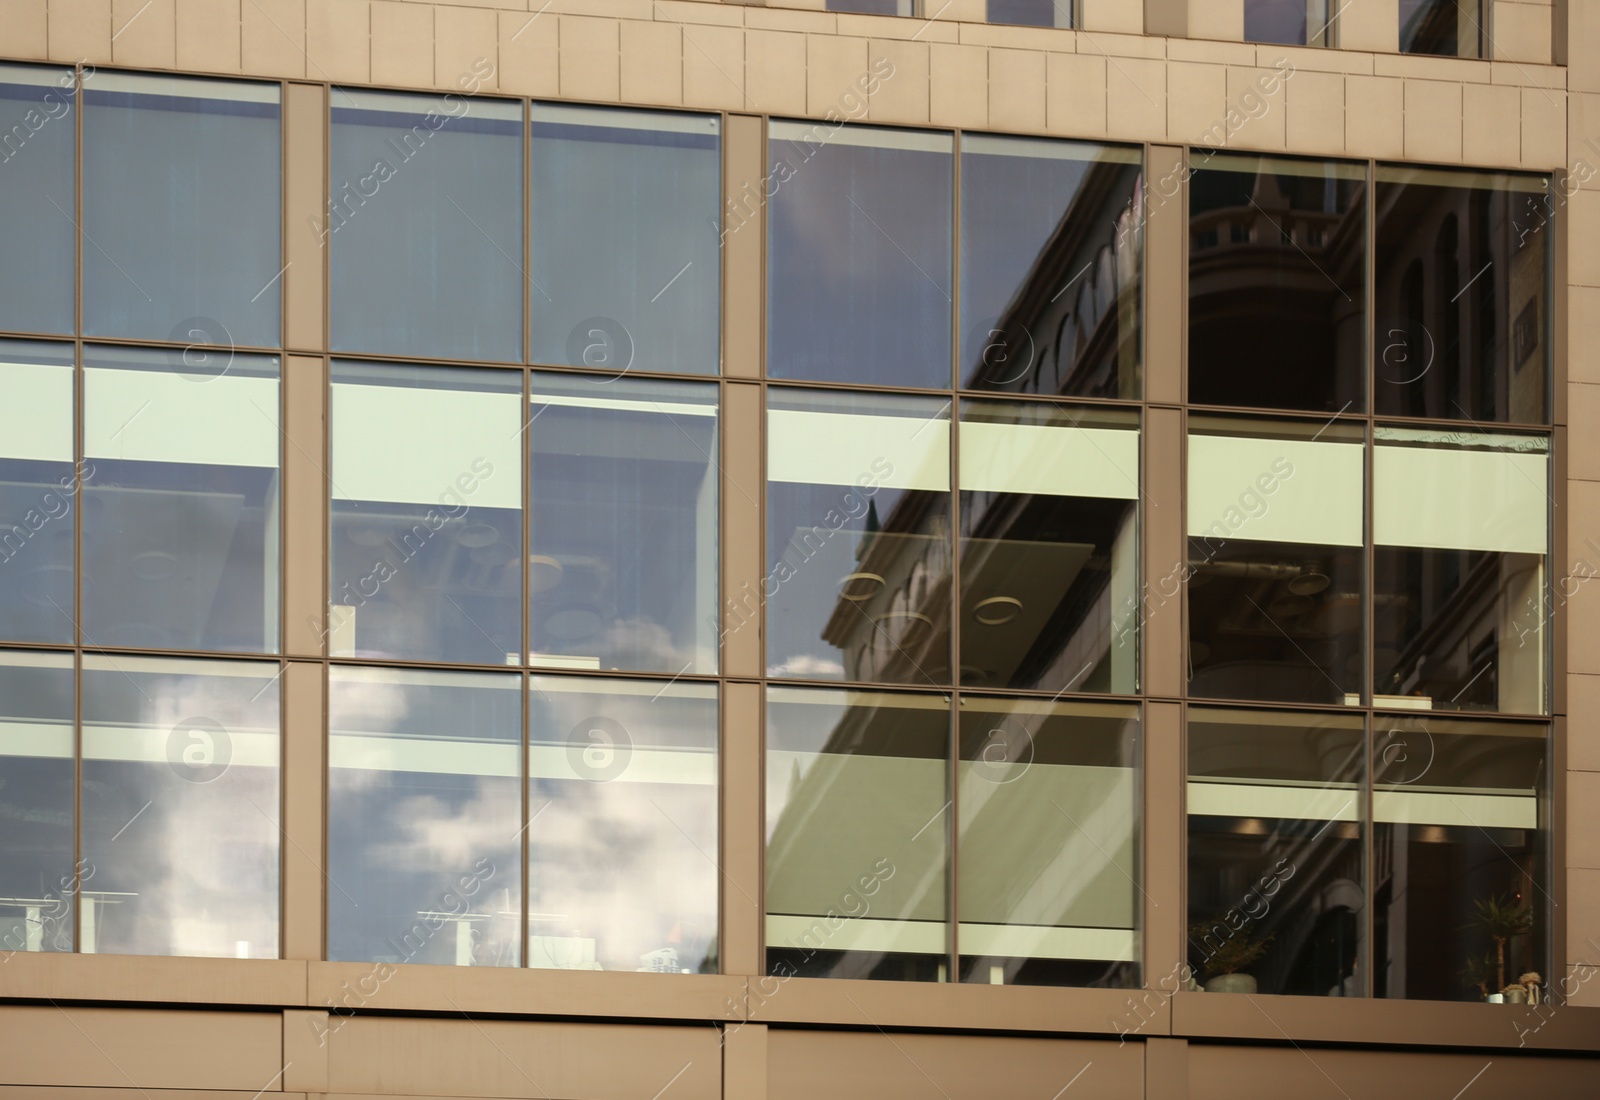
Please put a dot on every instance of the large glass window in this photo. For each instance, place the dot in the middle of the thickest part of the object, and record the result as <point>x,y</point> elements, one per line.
<point>1277,277</point>
<point>182,210</point>
<point>424,817</point>
<point>1461,884</point>
<point>626,254</point>
<point>623,543</point>
<point>1276,901</point>
<point>1032,13</point>
<point>1047,852</point>
<point>857,834</point>
<point>1049,547</point>
<point>1290,22</point>
<point>859,256</point>
<point>37,492</point>
<point>180,807</point>
<point>181,515</point>
<point>37,884</point>
<point>1052,237</point>
<point>622,833</point>
<point>1453,28</point>
<point>427,514</point>
<point>1461,521</point>
<point>424,225</point>
<point>1276,530</point>
<point>38,157</point>
<point>1463,295</point>
<point>858,537</point>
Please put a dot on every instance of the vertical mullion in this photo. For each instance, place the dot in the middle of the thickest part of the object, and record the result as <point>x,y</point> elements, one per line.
<point>78,388</point>
<point>953,765</point>
<point>1368,585</point>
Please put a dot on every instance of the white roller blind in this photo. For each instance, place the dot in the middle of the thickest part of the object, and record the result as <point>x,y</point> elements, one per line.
<point>411,446</point>
<point>36,414</point>
<point>1319,501</point>
<point>1052,461</point>
<point>824,448</point>
<point>1447,499</point>
<point>156,416</point>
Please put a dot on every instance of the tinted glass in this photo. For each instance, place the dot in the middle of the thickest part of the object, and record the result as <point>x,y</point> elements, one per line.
<point>857,835</point>
<point>872,7</point>
<point>1453,28</point>
<point>1032,13</point>
<point>424,225</point>
<point>1277,261</point>
<point>1463,295</point>
<point>1461,883</point>
<point>1051,241</point>
<point>858,538</point>
<point>181,525</point>
<point>38,492</point>
<point>180,807</point>
<point>626,261</point>
<point>1290,22</point>
<point>1461,522</point>
<point>37,886</point>
<point>1275,878</point>
<point>859,255</point>
<point>424,817</point>
<point>1049,547</point>
<point>1048,889</point>
<point>427,514</point>
<point>623,543</point>
<point>182,210</point>
<point>38,141</point>
<point>1276,529</point>
<point>622,833</point>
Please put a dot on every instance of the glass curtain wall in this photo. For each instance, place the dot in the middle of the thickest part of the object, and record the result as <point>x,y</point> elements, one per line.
<point>38,174</point>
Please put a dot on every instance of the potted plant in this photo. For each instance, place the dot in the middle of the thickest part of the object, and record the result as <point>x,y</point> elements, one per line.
<point>1504,918</point>
<point>1228,952</point>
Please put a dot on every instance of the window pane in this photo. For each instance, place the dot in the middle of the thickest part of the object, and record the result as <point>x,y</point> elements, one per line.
<point>1461,881</point>
<point>1032,13</point>
<point>180,807</point>
<point>858,538</point>
<point>1289,22</point>
<point>1049,547</point>
<point>36,492</point>
<point>424,817</point>
<point>1051,240</point>
<point>1048,848</point>
<point>858,270</point>
<point>1463,293</point>
<point>872,7</point>
<point>36,802</point>
<point>1275,811</point>
<point>1277,260</point>
<point>626,264</point>
<point>38,142</point>
<point>427,514</point>
<point>857,844</point>
<point>181,210</point>
<point>623,549</point>
<point>180,529</point>
<point>1462,526</point>
<point>622,839</point>
<point>1452,28</point>
<point>1275,560</point>
<point>425,225</point>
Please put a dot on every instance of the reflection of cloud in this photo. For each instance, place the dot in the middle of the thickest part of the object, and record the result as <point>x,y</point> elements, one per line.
<point>425,831</point>
<point>642,643</point>
<point>806,664</point>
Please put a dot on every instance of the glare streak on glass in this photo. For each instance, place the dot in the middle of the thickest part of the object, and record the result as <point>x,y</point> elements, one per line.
<point>37,172</point>
<point>181,209</point>
<point>181,510</point>
<point>427,514</point>
<point>180,807</point>
<point>858,834</point>
<point>38,492</point>
<point>623,831</point>
<point>424,225</point>
<point>626,262</point>
<point>37,886</point>
<point>424,809</point>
